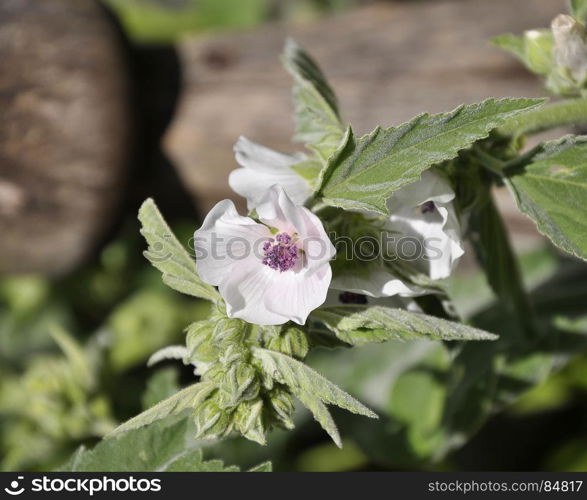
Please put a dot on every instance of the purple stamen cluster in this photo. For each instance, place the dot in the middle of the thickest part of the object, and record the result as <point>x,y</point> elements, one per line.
<point>281,252</point>
<point>427,207</point>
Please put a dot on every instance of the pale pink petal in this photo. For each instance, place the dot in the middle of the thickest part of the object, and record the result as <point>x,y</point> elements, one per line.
<point>226,240</point>
<point>245,290</point>
<point>296,295</point>
<point>278,210</point>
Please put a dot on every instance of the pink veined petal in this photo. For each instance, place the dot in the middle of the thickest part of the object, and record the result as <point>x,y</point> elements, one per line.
<point>252,290</point>
<point>279,211</point>
<point>244,290</point>
<point>318,249</point>
<point>295,295</point>
<point>225,240</point>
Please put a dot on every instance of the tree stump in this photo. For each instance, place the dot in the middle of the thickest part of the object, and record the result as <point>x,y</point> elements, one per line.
<point>387,62</point>
<point>63,132</point>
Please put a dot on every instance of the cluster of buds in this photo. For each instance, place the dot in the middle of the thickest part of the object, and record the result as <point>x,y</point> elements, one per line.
<point>243,397</point>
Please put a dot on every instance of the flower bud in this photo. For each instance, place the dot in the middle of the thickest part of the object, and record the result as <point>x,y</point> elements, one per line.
<point>282,406</point>
<point>210,420</point>
<point>291,341</point>
<point>248,420</point>
<point>240,383</point>
<point>570,47</point>
<point>229,330</point>
<point>198,342</point>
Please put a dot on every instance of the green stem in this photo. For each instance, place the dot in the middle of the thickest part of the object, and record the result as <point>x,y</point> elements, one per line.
<point>495,252</point>
<point>558,114</point>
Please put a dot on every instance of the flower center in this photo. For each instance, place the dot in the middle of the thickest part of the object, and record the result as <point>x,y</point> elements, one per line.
<point>281,252</point>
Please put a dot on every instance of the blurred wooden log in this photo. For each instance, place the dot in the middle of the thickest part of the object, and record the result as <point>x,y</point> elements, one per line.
<point>387,62</point>
<point>63,132</point>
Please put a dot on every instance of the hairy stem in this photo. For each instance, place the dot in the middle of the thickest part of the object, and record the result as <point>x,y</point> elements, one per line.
<point>557,114</point>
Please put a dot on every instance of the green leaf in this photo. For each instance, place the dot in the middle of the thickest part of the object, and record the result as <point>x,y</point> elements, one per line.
<point>81,367</point>
<point>360,325</point>
<point>301,378</point>
<point>574,325</point>
<point>163,384</point>
<point>364,172</point>
<point>511,43</point>
<point>578,9</point>
<point>190,397</point>
<point>165,22</point>
<point>160,447</point>
<point>321,414</point>
<point>167,254</point>
<point>486,378</point>
<point>147,321</point>
<point>535,49</point>
<point>552,191</point>
<point>318,123</point>
<point>177,352</point>
<point>264,467</point>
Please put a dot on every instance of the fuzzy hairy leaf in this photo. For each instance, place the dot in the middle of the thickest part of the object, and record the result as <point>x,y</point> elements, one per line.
<point>552,191</point>
<point>189,397</point>
<point>157,448</point>
<point>359,325</point>
<point>161,385</point>
<point>318,123</point>
<point>321,414</point>
<point>169,352</point>
<point>364,172</point>
<point>264,467</point>
<point>301,378</point>
<point>167,254</point>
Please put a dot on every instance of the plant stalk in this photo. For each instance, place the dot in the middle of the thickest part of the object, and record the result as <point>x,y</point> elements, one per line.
<point>558,114</point>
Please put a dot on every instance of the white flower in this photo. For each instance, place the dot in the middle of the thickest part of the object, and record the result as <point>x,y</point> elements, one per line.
<point>262,168</point>
<point>423,220</point>
<point>424,210</point>
<point>271,271</point>
<point>427,236</point>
